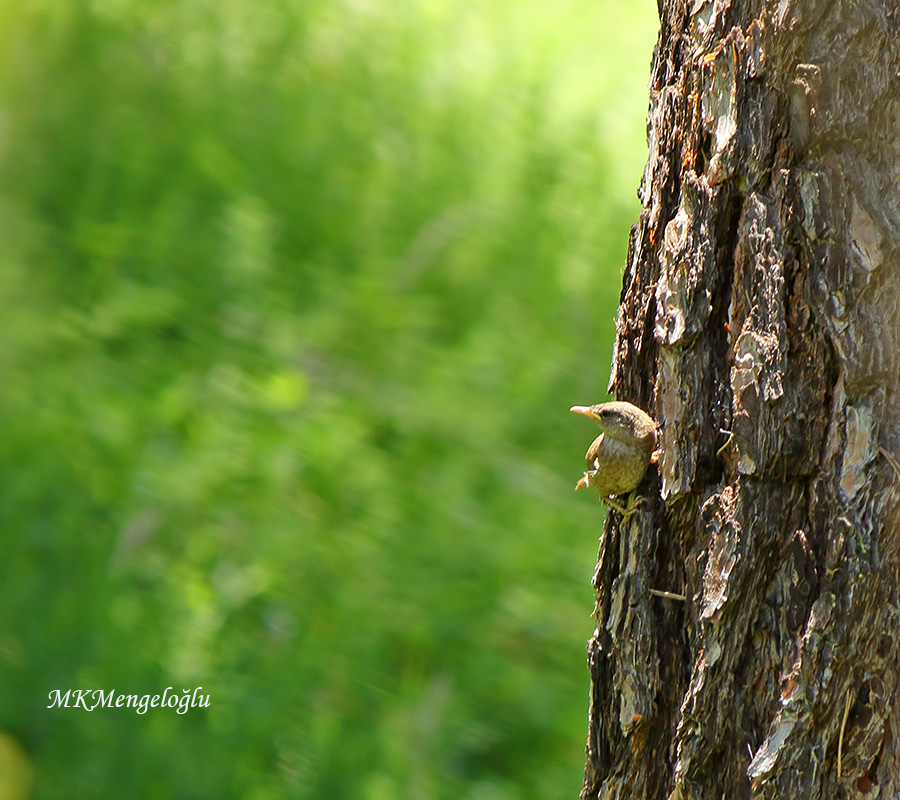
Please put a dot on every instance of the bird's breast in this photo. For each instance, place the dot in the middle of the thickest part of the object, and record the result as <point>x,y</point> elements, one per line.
<point>616,467</point>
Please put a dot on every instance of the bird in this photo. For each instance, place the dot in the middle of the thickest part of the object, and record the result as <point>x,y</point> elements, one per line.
<point>618,458</point>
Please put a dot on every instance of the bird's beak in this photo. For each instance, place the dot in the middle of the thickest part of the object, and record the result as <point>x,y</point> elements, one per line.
<point>585,410</point>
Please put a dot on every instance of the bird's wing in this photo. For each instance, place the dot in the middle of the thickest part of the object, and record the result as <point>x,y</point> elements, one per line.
<point>594,449</point>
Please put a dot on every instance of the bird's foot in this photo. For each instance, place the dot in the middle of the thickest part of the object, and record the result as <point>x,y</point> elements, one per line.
<point>628,509</point>
<point>585,480</point>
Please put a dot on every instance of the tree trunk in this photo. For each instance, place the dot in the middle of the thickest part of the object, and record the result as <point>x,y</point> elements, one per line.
<point>760,326</point>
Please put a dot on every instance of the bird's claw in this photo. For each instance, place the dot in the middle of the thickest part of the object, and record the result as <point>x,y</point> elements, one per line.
<point>628,509</point>
<point>583,481</point>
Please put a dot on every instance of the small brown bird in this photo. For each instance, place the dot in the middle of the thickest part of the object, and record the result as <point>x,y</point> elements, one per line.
<point>618,458</point>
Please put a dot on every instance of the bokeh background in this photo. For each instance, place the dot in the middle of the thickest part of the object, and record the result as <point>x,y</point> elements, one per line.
<point>295,298</point>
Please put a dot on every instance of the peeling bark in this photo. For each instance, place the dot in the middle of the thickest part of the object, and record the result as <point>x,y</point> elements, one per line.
<point>760,326</point>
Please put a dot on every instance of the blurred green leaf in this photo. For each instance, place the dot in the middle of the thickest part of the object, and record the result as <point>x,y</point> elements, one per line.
<point>296,300</point>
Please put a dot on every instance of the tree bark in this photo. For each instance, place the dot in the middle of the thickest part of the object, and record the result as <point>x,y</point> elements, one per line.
<point>760,326</point>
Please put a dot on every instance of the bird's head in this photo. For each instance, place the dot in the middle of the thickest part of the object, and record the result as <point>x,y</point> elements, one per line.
<point>617,419</point>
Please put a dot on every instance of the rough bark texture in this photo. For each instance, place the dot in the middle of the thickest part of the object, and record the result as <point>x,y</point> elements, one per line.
<point>760,326</point>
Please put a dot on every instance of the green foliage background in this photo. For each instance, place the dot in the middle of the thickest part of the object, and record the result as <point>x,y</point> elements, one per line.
<point>296,296</point>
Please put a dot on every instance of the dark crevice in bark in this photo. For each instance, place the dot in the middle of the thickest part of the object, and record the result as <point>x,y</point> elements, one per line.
<point>713,468</point>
